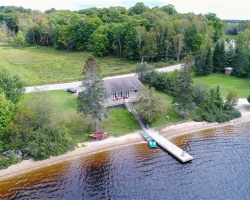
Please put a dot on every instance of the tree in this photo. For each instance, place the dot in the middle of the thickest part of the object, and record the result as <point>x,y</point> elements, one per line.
<point>100,44</point>
<point>149,105</point>
<point>117,32</point>
<point>213,108</point>
<point>6,112</point>
<point>183,90</point>
<point>42,107</point>
<point>248,99</point>
<point>231,100</point>
<point>219,57</point>
<point>93,97</point>
<point>217,24</point>
<point>193,39</point>
<point>19,39</point>
<point>142,70</point>
<point>138,9</point>
<point>6,32</point>
<point>199,93</point>
<point>149,48</point>
<point>179,44</point>
<point>11,86</point>
<point>208,68</point>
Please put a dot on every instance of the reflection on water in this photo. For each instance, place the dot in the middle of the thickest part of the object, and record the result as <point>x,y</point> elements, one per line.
<point>220,170</point>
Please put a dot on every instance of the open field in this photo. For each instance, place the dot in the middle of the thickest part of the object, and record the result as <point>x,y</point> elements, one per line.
<point>44,65</point>
<point>226,83</point>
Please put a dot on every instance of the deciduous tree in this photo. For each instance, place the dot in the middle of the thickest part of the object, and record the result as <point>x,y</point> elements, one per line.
<point>149,105</point>
<point>11,86</point>
<point>6,112</point>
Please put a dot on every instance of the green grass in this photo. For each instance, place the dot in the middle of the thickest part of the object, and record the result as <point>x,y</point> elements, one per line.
<point>226,83</point>
<point>168,110</point>
<point>44,65</point>
<point>64,113</point>
<point>120,122</point>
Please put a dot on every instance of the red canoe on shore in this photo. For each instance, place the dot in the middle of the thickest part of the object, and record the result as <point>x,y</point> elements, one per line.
<point>98,135</point>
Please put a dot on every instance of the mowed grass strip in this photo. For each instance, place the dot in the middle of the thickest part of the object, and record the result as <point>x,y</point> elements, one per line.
<point>226,84</point>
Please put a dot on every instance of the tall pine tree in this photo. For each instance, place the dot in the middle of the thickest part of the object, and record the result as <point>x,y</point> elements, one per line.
<point>183,90</point>
<point>219,57</point>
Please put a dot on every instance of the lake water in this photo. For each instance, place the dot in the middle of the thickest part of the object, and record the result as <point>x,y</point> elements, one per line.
<point>220,170</point>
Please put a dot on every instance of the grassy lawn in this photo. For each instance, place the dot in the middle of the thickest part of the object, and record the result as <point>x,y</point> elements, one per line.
<point>226,83</point>
<point>44,65</point>
<point>119,121</point>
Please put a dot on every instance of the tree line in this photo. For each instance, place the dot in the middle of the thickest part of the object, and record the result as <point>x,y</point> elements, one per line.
<point>139,32</point>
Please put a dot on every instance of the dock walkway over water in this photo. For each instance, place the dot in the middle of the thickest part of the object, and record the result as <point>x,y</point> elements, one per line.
<point>169,146</point>
<point>159,139</point>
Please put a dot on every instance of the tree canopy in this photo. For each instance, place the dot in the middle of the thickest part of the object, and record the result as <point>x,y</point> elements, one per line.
<point>164,33</point>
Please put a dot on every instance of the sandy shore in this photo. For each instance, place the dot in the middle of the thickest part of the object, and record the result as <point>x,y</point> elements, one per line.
<point>128,139</point>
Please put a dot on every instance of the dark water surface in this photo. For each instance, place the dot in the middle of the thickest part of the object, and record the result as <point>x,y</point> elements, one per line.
<point>220,170</point>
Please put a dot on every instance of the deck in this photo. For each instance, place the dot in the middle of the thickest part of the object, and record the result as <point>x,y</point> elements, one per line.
<point>169,146</point>
<point>118,102</point>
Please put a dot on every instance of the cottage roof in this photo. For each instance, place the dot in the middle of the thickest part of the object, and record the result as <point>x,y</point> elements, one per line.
<point>122,84</point>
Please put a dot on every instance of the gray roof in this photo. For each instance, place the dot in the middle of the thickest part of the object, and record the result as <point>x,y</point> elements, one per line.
<point>122,84</point>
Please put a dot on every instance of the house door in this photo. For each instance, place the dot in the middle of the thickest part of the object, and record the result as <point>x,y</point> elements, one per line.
<point>126,93</point>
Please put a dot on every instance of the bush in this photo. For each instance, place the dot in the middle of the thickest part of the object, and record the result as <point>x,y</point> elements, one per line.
<point>248,99</point>
<point>222,117</point>
<point>6,162</point>
<point>50,143</point>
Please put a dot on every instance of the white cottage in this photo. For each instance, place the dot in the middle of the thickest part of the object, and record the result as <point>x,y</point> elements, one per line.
<point>122,88</point>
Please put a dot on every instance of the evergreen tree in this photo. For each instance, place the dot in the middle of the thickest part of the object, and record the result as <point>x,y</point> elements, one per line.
<point>208,68</point>
<point>142,70</point>
<point>240,63</point>
<point>219,58</point>
<point>183,90</point>
<point>216,57</point>
<point>93,97</point>
<point>199,64</point>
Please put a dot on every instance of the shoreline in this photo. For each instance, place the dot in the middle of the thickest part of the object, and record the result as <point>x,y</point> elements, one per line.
<point>109,143</point>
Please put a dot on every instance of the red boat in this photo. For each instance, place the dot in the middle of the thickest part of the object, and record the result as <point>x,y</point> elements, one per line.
<point>98,135</point>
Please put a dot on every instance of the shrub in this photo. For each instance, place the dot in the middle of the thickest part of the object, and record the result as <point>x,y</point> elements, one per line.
<point>6,162</point>
<point>248,99</point>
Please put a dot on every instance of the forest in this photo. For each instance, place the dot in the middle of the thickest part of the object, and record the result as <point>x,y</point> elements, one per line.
<point>140,31</point>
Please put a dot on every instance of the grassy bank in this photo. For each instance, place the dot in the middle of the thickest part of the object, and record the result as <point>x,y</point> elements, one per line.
<point>226,83</point>
<point>44,65</point>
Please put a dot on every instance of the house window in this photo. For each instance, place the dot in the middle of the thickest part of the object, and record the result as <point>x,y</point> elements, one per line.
<point>135,90</point>
<point>119,94</point>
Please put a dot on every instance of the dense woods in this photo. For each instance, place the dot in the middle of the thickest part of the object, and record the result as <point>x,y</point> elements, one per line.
<point>152,33</point>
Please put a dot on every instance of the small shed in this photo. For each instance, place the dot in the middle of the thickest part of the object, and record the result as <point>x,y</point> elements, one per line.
<point>121,88</point>
<point>228,71</point>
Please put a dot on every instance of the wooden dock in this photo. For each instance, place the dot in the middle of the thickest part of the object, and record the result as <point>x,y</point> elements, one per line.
<point>169,146</point>
<point>159,139</point>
